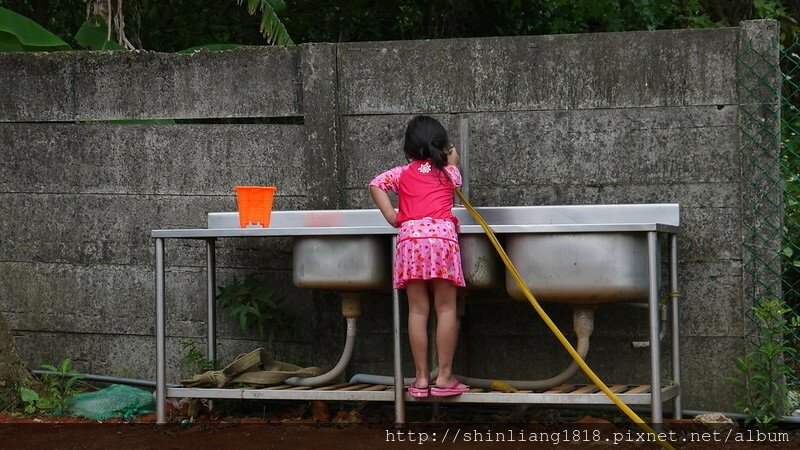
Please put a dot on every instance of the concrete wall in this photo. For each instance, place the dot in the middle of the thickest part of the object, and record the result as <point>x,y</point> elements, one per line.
<point>573,119</point>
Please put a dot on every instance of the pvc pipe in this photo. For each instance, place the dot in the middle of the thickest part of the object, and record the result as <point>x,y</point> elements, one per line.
<point>583,323</point>
<point>338,369</point>
<point>385,379</point>
<point>103,378</point>
<point>662,333</point>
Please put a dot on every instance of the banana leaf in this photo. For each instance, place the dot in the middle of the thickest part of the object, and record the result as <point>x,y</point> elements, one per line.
<point>94,37</point>
<point>21,34</point>
<point>271,25</point>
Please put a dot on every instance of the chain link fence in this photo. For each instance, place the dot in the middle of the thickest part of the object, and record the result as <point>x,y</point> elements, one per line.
<point>790,171</point>
<point>769,86</point>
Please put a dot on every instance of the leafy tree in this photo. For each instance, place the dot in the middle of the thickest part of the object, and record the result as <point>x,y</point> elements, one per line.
<point>180,24</point>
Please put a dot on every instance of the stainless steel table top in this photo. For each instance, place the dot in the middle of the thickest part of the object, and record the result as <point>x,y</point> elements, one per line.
<point>508,219</point>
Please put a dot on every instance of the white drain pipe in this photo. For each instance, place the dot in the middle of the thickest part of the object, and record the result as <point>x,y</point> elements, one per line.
<point>351,310</point>
<point>583,324</point>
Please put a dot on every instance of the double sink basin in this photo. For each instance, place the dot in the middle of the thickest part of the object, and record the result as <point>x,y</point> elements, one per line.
<point>581,254</point>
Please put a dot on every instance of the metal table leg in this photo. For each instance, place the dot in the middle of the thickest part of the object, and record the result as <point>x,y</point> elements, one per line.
<point>676,347</point>
<point>655,350</point>
<point>399,405</point>
<point>161,386</point>
<point>211,289</point>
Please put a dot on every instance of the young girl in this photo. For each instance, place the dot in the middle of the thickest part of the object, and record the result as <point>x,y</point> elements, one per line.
<point>427,255</point>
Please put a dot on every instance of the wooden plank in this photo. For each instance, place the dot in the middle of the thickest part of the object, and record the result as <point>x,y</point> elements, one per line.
<point>333,386</point>
<point>355,387</point>
<point>300,388</point>
<point>277,388</point>
<point>590,389</point>
<point>477,390</point>
<point>617,388</point>
<point>643,389</point>
<point>562,389</point>
<point>377,387</point>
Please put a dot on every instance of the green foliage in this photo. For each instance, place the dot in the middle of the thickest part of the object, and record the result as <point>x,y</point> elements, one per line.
<point>790,171</point>
<point>196,359</point>
<point>32,401</point>
<point>271,25</point>
<point>51,391</point>
<point>95,37</point>
<point>763,371</point>
<point>253,304</point>
<point>21,34</point>
<point>775,9</point>
<point>152,25</point>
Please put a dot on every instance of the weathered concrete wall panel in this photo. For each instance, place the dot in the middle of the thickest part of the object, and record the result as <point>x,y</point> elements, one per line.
<point>151,159</point>
<point>584,71</point>
<point>68,86</point>
<point>118,299</point>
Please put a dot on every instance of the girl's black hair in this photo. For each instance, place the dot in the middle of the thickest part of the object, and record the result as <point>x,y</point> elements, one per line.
<point>427,138</point>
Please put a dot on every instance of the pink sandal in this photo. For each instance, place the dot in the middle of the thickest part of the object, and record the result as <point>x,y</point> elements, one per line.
<point>416,391</point>
<point>456,389</point>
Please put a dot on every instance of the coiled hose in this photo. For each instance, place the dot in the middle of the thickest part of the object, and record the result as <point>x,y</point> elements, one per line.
<point>586,369</point>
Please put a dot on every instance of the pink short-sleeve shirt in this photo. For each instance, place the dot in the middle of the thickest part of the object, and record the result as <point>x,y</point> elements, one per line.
<point>422,190</point>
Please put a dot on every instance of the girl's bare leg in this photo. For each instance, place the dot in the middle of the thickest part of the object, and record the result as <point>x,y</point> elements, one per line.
<point>444,295</point>
<point>418,309</point>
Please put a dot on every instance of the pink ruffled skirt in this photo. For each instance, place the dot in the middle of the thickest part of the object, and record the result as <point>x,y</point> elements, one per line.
<point>426,249</point>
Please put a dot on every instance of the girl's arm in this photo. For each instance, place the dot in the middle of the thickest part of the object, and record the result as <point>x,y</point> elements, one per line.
<point>384,204</point>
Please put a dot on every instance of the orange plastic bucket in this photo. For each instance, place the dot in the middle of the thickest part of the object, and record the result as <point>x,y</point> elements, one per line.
<point>254,204</point>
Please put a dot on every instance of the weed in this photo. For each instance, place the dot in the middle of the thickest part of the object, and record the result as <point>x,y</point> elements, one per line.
<point>53,390</point>
<point>763,371</point>
<point>253,304</point>
<point>196,359</point>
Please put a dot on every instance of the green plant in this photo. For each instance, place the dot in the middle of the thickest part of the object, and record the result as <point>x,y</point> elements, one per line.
<point>196,359</point>
<point>271,25</point>
<point>763,371</point>
<point>19,33</point>
<point>53,390</point>
<point>253,304</point>
<point>33,401</point>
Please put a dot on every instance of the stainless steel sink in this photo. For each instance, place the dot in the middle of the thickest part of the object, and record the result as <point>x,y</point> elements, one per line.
<point>579,268</point>
<point>480,263</point>
<point>342,263</point>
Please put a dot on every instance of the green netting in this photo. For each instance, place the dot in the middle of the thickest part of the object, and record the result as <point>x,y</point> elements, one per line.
<point>115,401</point>
<point>769,87</point>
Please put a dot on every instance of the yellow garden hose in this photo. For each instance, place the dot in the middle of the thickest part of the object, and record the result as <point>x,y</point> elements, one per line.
<point>588,371</point>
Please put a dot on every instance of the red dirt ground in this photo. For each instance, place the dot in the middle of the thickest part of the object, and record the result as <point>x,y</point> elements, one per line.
<point>314,428</point>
